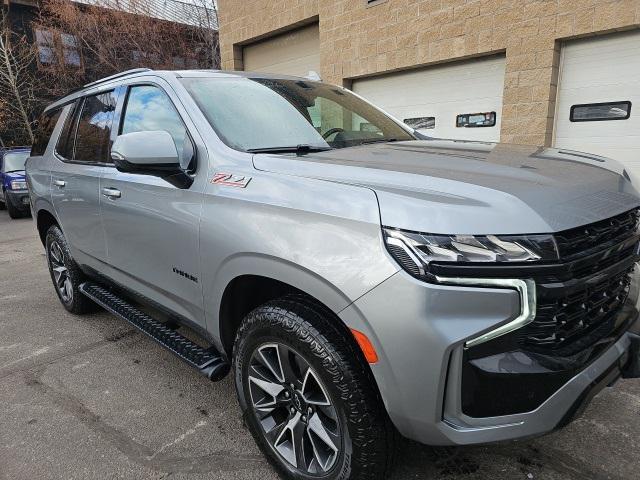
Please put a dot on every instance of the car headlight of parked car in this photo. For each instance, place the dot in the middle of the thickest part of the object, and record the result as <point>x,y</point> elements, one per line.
<point>18,185</point>
<point>417,253</point>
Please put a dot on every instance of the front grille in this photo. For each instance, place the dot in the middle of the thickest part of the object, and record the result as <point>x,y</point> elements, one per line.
<point>572,322</point>
<point>581,240</point>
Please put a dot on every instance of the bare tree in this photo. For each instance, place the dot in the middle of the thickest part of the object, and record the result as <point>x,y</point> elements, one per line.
<point>17,80</point>
<point>116,35</point>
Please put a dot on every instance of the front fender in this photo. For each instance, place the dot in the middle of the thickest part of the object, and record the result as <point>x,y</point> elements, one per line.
<point>321,237</point>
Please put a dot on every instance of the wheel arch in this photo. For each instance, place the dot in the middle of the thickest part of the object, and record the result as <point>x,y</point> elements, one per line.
<point>44,220</point>
<point>250,281</point>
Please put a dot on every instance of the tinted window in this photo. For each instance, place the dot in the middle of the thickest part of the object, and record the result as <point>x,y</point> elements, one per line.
<point>149,109</point>
<point>94,128</point>
<point>598,112</point>
<point>64,147</point>
<point>46,124</point>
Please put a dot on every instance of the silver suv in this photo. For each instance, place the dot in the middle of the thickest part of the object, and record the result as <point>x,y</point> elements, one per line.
<point>361,279</point>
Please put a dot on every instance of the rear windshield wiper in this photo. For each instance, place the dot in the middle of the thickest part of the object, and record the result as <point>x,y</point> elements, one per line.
<point>299,149</point>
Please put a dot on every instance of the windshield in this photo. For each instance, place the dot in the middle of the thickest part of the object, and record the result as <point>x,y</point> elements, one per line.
<point>253,114</point>
<point>14,162</point>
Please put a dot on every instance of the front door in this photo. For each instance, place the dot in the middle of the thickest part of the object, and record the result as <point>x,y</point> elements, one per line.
<point>81,155</point>
<point>151,225</point>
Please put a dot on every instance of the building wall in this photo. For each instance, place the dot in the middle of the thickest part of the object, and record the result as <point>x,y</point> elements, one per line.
<point>358,40</point>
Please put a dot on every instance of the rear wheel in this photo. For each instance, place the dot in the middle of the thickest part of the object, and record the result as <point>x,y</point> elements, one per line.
<point>307,395</point>
<point>65,273</point>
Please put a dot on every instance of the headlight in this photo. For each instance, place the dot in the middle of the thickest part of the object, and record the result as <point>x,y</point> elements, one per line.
<point>417,252</point>
<point>18,185</point>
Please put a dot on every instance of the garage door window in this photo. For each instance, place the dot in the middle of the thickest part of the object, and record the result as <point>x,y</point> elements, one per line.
<point>421,123</point>
<point>487,119</point>
<point>600,112</point>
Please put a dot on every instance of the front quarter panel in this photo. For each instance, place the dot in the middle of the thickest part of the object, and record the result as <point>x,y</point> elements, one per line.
<point>321,237</point>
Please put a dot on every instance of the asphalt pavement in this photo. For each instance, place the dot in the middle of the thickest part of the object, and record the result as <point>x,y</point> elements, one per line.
<point>91,398</point>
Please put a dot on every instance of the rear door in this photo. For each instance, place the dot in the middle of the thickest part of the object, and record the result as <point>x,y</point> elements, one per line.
<point>81,157</point>
<point>152,226</point>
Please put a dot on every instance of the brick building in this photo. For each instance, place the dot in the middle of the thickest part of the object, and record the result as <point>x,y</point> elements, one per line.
<point>553,71</point>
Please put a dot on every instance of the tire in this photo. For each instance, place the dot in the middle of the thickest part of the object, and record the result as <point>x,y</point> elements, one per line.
<point>3,201</point>
<point>294,337</point>
<point>65,273</point>
<point>13,211</point>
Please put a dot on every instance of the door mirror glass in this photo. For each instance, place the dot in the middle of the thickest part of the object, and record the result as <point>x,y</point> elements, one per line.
<point>144,152</point>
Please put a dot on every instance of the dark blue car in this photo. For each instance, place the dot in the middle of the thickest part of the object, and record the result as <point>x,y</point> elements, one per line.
<point>15,196</point>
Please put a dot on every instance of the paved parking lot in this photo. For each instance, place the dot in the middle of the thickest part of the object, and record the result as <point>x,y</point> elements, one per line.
<point>89,397</point>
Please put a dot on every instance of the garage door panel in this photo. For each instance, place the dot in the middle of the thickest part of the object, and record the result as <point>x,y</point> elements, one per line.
<point>598,70</point>
<point>442,92</point>
<point>292,53</point>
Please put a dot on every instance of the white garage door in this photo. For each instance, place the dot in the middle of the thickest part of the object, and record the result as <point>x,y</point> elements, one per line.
<point>598,107</point>
<point>461,100</point>
<point>292,53</point>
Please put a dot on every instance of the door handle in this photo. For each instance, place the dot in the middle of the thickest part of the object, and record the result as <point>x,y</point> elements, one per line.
<point>59,183</point>
<point>111,193</point>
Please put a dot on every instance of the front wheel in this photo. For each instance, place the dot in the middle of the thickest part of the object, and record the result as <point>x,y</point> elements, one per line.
<point>13,211</point>
<point>65,273</point>
<point>307,395</point>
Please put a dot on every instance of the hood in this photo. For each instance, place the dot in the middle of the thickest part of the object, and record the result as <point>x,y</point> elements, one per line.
<point>450,186</point>
<point>18,175</point>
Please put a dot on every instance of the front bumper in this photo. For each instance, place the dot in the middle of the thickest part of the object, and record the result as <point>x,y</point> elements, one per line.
<point>19,199</point>
<point>420,338</point>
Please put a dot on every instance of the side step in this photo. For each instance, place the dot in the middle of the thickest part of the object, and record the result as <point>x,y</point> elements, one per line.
<point>208,362</point>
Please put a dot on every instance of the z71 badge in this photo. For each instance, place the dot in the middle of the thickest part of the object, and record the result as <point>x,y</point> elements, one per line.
<point>230,180</point>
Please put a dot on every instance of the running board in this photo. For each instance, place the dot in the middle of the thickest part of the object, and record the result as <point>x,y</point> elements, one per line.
<point>208,362</point>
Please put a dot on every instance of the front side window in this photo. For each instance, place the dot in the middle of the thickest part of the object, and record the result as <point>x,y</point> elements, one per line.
<point>252,114</point>
<point>149,109</point>
<point>46,124</point>
<point>94,128</point>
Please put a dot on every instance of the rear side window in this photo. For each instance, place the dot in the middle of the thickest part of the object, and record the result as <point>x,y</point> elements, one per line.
<point>64,147</point>
<point>148,109</point>
<point>94,128</point>
<point>46,124</point>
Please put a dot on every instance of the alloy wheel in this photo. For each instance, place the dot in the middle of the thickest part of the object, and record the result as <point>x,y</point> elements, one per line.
<point>61,277</point>
<point>294,409</point>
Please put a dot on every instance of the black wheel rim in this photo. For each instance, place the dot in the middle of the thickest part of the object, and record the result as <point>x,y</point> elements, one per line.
<point>60,272</point>
<point>294,410</point>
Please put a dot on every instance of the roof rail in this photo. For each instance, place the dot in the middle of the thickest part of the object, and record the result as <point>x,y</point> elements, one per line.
<point>117,75</point>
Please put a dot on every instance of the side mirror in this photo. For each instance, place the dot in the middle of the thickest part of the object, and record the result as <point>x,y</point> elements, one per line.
<point>151,153</point>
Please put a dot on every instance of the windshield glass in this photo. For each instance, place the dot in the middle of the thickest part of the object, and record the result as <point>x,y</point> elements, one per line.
<point>14,161</point>
<point>253,114</point>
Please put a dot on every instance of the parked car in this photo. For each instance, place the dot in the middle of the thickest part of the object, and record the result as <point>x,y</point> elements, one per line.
<point>15,196</point>
<point>360,280</point>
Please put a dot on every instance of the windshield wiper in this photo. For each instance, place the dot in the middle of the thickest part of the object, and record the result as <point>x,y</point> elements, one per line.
<point>13,171</point>
<point>378,140</point>
<point>298,149</point>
